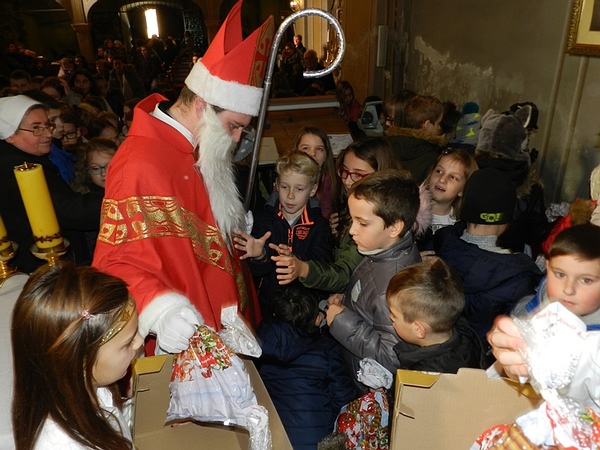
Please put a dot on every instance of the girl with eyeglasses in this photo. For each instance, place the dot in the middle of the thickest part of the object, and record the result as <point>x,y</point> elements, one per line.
<point>93,160</point>
<point>358,160</point>
<point>92,164</point>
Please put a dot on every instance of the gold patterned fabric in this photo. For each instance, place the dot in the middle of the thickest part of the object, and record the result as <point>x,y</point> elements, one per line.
<point>137,218</point>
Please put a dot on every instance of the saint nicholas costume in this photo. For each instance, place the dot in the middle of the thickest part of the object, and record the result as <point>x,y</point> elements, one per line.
<point>158,229</point>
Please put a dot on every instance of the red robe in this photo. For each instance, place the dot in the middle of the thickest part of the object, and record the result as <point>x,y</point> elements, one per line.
<point>158,232</point>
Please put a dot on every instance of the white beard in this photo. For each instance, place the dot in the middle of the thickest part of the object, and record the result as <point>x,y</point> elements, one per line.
<point>215,165</point>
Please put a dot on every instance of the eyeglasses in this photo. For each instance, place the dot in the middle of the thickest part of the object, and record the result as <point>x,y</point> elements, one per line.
<point>97,170</point>
<point>354,176</point>
<point>38,130</point>
<point>70,134</point>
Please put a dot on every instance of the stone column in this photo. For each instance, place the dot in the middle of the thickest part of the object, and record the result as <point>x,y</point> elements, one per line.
<point>84,37</point>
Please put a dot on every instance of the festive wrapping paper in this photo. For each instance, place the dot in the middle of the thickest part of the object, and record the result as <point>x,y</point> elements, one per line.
<point>210,384</point>
<point>365,422</point>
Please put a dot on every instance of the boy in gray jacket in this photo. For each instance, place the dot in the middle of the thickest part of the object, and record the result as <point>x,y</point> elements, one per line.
<point>383,207</point>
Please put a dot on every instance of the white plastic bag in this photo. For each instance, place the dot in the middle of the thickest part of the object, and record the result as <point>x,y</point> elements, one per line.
<point>210,384</point>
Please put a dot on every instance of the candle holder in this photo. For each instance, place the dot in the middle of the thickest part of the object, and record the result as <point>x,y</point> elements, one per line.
<point>6,255</point>
<point>52,254</point>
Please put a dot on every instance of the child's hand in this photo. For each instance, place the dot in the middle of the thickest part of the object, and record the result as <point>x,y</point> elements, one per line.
<point>334,220</point>
<point>288,266</point>
<point>252,246</point>
<point>335,299</point>
<point>333,311</point>
<point>506,342</point>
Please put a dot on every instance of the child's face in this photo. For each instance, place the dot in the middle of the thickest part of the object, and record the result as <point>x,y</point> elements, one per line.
<point>574,283</point>
<point>314,147</point>
<point>401,326</point>
<point>111,133</point>
<point>54,117</point>
<point>348,97</point>
<point>356,168</point>
<point>294,191</point>
<point>71,134</point>
<point>368,229</point>
<point>114,357</point>
<point>98,166</point>
<point>447,181</point>
<point>82,84</point>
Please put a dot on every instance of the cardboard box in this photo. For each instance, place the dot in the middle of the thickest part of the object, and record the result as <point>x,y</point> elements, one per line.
<point>450,411</point>
<point>151,389</point>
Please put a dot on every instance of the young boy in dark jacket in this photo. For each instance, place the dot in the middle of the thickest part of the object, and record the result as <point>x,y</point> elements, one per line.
<point>302,368</point>
<point>426,302</point>
<point>494,278</point>
<point>291,222</point>
<point>383,207</point>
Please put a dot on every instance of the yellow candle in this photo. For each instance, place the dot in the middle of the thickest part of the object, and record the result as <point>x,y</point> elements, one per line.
<point>4,241</point>
<point>38,205</point>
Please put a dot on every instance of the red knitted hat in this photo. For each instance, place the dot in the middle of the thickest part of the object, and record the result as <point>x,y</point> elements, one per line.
<point>230,74</point>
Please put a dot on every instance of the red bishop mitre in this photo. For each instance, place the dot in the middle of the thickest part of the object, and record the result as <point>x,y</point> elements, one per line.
<point>230,74</point>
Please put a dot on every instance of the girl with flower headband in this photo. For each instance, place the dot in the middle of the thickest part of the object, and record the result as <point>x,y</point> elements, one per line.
<point>74,335</point>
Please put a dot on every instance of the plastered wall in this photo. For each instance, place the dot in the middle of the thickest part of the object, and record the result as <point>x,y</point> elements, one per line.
<point>497,53</point>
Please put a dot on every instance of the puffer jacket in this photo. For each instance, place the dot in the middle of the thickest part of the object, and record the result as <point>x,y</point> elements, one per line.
<point>364,326</point>
<point>493,282</point>
<point>307,379</point>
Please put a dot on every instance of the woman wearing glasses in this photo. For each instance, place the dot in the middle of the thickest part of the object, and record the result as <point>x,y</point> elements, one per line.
<point>358,160</point>
<point>26,136</point>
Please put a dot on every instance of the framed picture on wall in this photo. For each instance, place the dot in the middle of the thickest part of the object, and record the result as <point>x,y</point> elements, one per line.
<point>584,28</point>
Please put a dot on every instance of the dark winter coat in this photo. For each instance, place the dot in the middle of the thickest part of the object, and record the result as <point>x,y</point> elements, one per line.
<point>76,213</point>
<point>306,378</point>
<point>308,239</point>
<point>493,282</point>
<point>416,150</point>
<point>463,349</point>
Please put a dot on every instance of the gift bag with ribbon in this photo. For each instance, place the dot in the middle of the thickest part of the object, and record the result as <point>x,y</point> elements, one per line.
<point>365,420</point>
<point>210,384</point>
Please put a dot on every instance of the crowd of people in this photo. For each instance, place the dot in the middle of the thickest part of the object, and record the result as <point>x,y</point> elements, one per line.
<point>408,249</point>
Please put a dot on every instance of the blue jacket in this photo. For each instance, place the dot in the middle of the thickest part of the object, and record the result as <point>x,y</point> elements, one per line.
<point>493,282</point>
<point>308,239</point>
<point>306,378</point>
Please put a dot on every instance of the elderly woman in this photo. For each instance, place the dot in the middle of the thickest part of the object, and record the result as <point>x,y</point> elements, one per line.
<point>26,136</point>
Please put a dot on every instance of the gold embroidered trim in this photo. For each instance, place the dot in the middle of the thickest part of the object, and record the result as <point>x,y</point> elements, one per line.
<point>137,218</point>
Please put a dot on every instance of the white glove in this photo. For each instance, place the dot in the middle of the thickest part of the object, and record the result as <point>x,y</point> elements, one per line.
<point>175,328</point>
